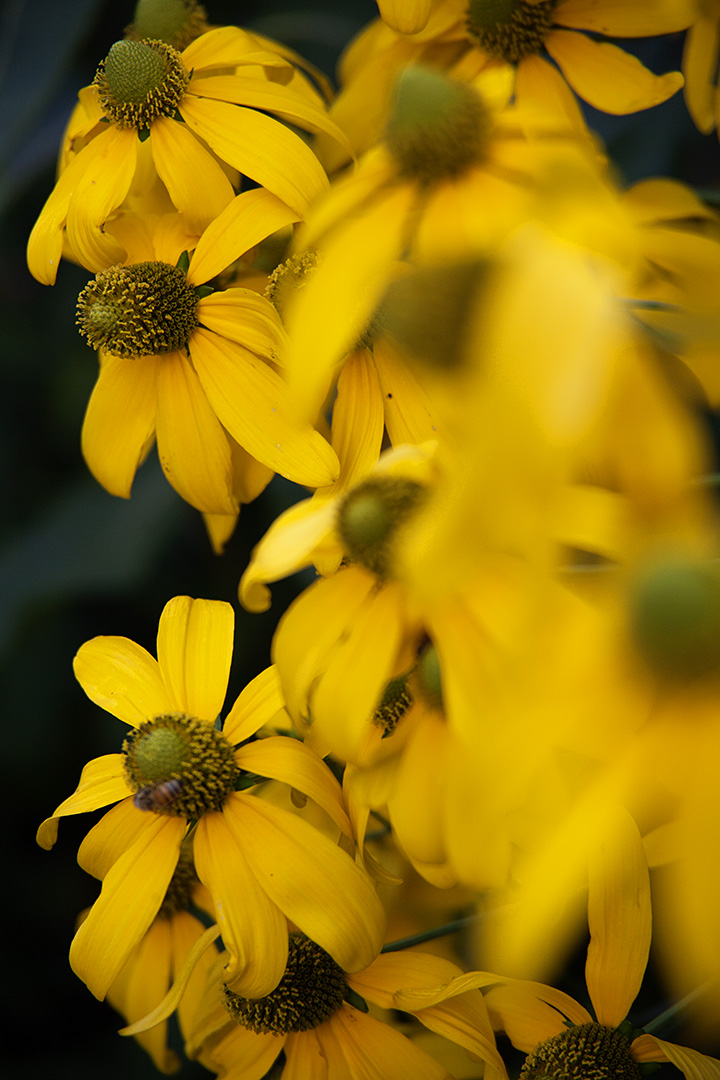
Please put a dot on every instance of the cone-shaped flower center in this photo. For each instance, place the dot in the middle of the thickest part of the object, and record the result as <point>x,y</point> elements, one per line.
<point>587,1052</point>
<point>429,676</point>
<point>438,128</point>
<point>179,892</point>
<point>395,702</point>
<point>509,29</point>
<point>179,765</point>
<point>371,514</point>
<point>309,993</point>
<point>139,81</point>
<point>176,22</point>
<point>675,618</point>
<point>289,278</point>
<point>145,309</point>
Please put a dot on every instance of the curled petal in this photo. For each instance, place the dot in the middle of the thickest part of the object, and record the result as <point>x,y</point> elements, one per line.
<point>102,782</point>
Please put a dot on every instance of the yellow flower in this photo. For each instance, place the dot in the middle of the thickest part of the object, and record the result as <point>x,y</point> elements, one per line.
<point>260,863</point>
<point>555,1031</point>
<point>159,958</point>
<point>191,367</point>
<point>325,1035</point>
<point>200,122</point>
<point>538,44</point>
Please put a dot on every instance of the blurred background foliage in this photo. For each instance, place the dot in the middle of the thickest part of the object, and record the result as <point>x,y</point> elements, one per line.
<point>76,562</point>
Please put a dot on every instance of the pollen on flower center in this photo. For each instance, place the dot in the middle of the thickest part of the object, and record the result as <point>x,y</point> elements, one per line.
<point>139,81</point>
<point>179,765</point>
<point>438,128</point>
<point>309,993</point>
<point>509,29</point>
<point>395,702</point>
<point>145,309</point>
<point>370,515</point>
<point>586,1052</point>
<point>289,278</point>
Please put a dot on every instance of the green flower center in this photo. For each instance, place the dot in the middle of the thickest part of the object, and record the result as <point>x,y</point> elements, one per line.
<point>182,885</point>
<point>438,128</point>
<point>309,993</point>
<point>395,702</point>
<point>145,309</point>
<point>675,618</point>
<point>176,22</point>
<point>586,1052</point>
<point>139,81</point>
<point>509,29</point>
<point>371,514</point>
<point>179,765</point>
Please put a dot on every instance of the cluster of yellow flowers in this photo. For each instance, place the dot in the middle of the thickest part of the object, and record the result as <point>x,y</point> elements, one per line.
<point>431,302</point>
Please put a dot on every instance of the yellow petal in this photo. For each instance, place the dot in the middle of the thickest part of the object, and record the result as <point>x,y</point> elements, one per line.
<point>120,421</point>
<point>253,928</point>
<point>192,447</point>
<point>419,825</point>
<point>699,63</point>
<point>310,627</point>
<point>195,182</point>
<point>111,837</point>
<point>257,704</point>
<point>620,920</point>
<point>607,77</point>
<point>617,18</point>
<point>357,419</point>
<point>100,189</point>
<point>305,1059</point>
<point>692,1064</point>
<point>270,97</point>
<point>541,85</point>
<point>406,18</point>
<point>256,407</point>
<point>123,678</point>
<point>369,1048</point>
<point>259,147</point>
<point>186,934</point>
<point>287,546</point>
<point>244,1053</point>
<point>195,643</point>
<point>102,781</point>
<point>529,1012</point>
<point>247,220</point>
<point>318,886</point>
<point>242,316</point>
<point>407,409</point>
<point>293,763</point>
<point>226,46</point>
<point>131,896</point>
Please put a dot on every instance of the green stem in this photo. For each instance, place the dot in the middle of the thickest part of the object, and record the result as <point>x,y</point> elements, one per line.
<point>429,935</point>
<point>674,1011</point>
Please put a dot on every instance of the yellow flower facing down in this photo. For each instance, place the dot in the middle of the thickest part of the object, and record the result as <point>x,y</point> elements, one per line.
<point>200,122</point>
<point>261,864</point>
<point>192,368</point>
<point>325,1035</point>
<point>561,1038</point>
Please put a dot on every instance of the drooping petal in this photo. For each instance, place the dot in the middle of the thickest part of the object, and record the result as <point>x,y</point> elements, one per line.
<point>617,18</point>
<point>249,218</point>
<point>243,316</point>
<point>195,182</point>
<point>541,83</point>
<point>46,239</point>
<point>529,1012</point>
<point>195,642</point>
<point>256,407</point>
<point>691,1063</point>
<point>131,896</point>
<point>406,18</point>
<point>407,409</point>
<point>319,887</point>
<point>123,678</point>
<point>111,837</point>
<point>243,1054</point>
<point>607,77</point>
<point>186,932</point>
<point>699,63</point>
<point>192,446</point>
<point>102,781</point>
<point>227,46</point>
<point>367,1047</point>
<point>357,419</point>
<point>305,1059</point>
<point>620,920</point>
<point>256,705</point>
<point>253,928</point>
<point>259,147</point>
<point>293,763</point>
<point>120,421</point>
<point>141,984</point>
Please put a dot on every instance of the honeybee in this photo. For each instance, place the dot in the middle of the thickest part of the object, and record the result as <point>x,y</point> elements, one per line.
<point>157,796</point>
